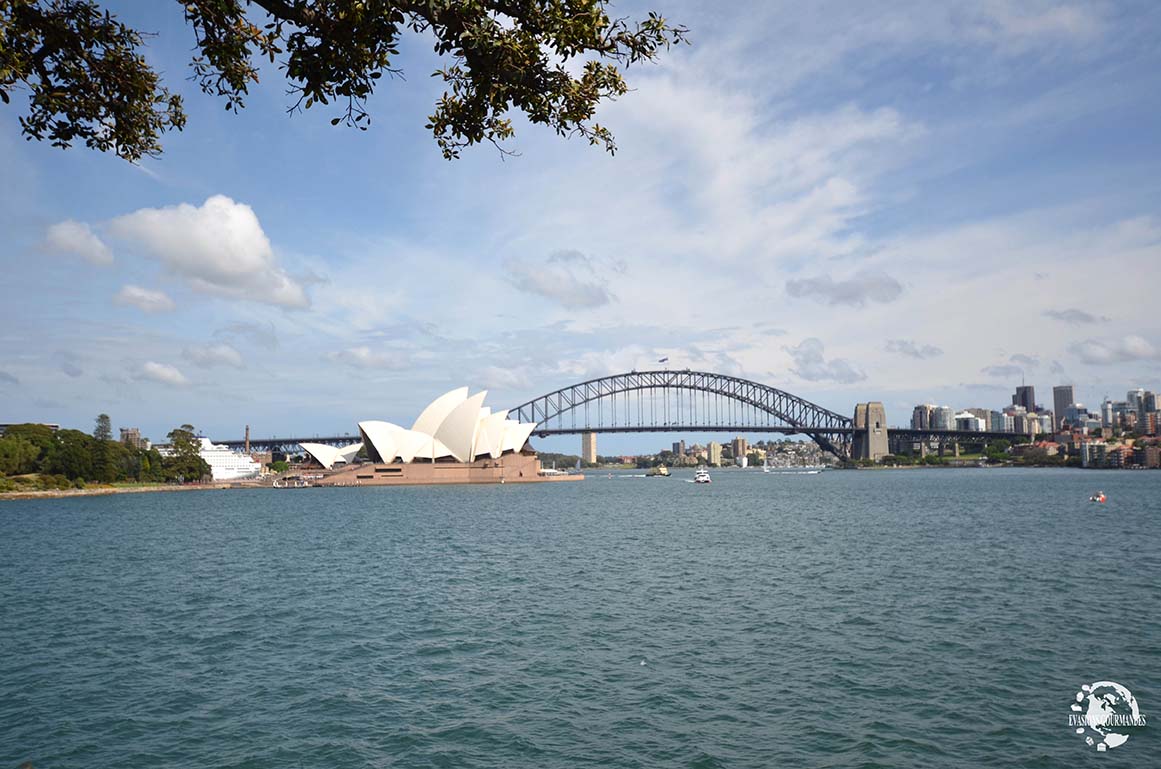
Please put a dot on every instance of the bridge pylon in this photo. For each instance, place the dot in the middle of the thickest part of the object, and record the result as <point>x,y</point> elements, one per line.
<point>870,432</point>
<point>589,447</point>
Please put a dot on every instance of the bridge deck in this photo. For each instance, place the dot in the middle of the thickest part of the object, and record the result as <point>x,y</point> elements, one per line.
<point>892,432</point>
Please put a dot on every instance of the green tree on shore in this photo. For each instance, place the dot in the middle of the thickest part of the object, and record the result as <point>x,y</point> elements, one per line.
<point>185,461</point>
<point>104,452</point>
<point>103,430</point>
<point>71,457</point>
<point>18,455</point>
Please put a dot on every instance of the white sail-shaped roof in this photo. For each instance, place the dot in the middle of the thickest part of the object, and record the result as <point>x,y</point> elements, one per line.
<point>516,434</point>
<point>407,444</point>
<point>452,426</point>
<point>458,429</point>
<point>426,447</point>
<point>323,454</point>
<point>348,453</point>
<point>490,436</point>
<point>381,437</point>
<point>437,411</point>
<point>329,456</point>
<point>410,444</point>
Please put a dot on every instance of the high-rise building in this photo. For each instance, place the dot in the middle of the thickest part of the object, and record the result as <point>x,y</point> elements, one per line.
<point>996,422</point>
<point>942,418</point>
<point>589,448</point>
<point>967,421</point>
<point>1145,404</point>
<point>714,453</point>
<point>1134,398</point>
<point>1075,415</point>
<point>679,448</point>
<point>131,437</point>
<point>1123,414</point>
<point>739,447</point>
<point>1063,396</point>
<point>1107,413</point>
<point>1025,396</point>
<point>1093,453</point>
<point>921,417</point>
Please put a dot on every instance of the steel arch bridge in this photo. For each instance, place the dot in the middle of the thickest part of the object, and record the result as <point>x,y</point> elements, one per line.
<point>686,401</point>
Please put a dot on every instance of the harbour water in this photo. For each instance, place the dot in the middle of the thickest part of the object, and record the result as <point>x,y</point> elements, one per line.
<point>897,619</point>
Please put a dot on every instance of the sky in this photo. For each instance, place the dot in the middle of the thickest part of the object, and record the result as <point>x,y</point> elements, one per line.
<point>900,201</point>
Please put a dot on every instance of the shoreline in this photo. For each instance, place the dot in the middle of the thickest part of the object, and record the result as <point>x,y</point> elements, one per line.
<point>100,491</point>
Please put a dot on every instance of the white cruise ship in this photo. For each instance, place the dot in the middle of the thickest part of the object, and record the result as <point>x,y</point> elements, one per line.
<point>226,464</point>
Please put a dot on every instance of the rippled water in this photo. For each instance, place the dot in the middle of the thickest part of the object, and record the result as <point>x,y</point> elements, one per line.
<point>901,619</point>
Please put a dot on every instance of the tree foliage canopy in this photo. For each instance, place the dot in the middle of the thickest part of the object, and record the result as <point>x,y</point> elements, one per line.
<point>103,428</point>
<point>185,460</point>
<point>553,60</point>
<point>77,456</point>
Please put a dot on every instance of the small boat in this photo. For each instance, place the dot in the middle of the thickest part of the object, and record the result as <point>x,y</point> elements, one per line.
<point>291,482</point>
<point>1098,497</point>
<point>661,471</point>
<point>701,476</point>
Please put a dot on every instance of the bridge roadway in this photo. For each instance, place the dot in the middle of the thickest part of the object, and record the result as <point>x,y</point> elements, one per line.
<point>266,444</point>
<point>893,433</point>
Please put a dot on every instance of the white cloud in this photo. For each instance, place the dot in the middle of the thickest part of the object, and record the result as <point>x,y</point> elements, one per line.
<point>261,334</point>
<point>1129,348</point>
<point>77,239</point>
<point>68,364</point>
<point>220,248</point>
<point>503,379</point>
<point>1021,26</point>
<point>144,299</point>
<point>912,349</point>
<point>811,365</point>
<point>1073,315</point>
<point>855,291</point>
<point>569,278</point>
<point>212,355</point>
<point>596,363</point>
<point>1003,370</point>
<point>364,357</point>
<point>162,373</point>
<point>1031,361</point>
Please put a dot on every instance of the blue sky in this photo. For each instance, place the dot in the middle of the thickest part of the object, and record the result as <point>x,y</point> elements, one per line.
<point>909,202</point>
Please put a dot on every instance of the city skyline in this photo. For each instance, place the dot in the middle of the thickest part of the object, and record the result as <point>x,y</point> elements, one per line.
<point>924,210</point>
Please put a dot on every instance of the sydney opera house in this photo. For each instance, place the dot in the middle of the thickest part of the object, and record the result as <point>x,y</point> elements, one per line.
<point>456,439</point>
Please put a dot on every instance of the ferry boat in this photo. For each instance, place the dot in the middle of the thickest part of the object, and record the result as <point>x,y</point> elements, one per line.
<point>701,476</point>
<point>661,471</point>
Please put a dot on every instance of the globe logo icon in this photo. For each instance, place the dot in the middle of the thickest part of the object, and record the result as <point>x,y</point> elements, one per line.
<point>1104,713</point>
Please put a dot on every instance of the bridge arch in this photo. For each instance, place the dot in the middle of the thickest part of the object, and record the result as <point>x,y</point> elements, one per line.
<point>685,400</point>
